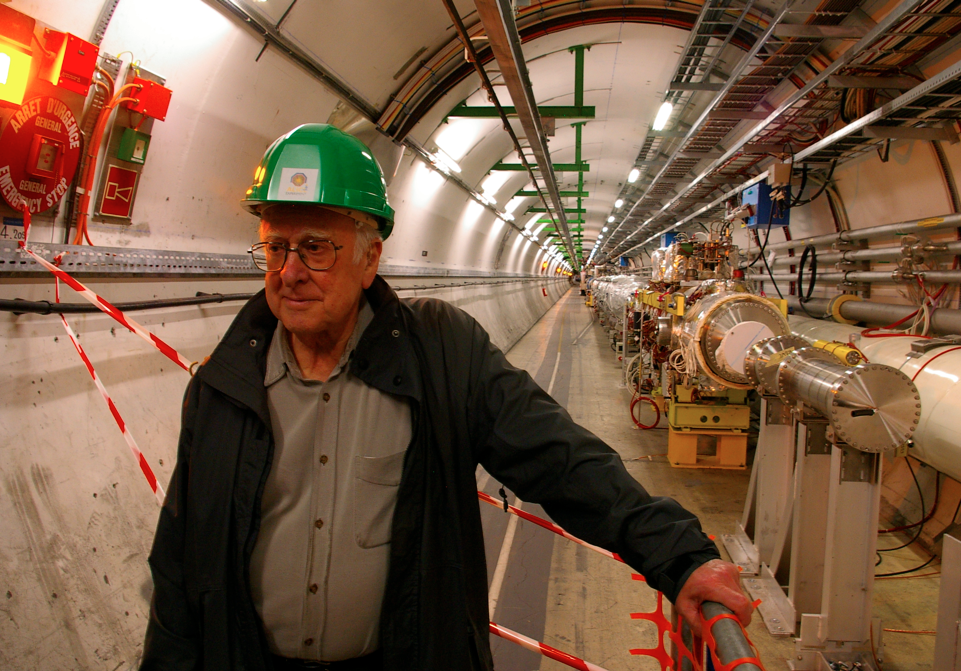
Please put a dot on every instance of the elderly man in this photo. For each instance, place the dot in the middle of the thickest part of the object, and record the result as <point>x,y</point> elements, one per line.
<point>323,511</point>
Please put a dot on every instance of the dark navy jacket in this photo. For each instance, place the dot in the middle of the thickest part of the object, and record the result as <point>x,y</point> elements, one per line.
<point>468,406</point>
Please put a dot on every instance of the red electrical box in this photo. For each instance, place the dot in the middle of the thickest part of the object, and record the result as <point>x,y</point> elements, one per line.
<point>153,99</point>
<point>72,67</point>
<point>15,26</point>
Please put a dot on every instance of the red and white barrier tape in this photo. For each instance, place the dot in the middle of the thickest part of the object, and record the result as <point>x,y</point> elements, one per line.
<point>103,304</point>
<point>130,324</point>
<point>544,649</point>
<point>550,526</point>
<point>138,455</point>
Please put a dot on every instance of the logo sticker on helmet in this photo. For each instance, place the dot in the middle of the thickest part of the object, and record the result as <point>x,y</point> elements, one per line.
<point>297,183</point>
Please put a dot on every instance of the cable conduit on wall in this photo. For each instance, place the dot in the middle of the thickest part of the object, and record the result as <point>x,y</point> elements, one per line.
<point>19,306</point>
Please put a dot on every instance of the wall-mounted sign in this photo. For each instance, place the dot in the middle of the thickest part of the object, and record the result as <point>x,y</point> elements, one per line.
<point>39,152</point>
<point>119,187</point>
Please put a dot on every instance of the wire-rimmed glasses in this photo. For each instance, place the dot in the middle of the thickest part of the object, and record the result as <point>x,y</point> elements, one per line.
<point>315,254</point>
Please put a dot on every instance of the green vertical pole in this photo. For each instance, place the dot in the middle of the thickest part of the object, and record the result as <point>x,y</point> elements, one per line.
<point>578,75</point>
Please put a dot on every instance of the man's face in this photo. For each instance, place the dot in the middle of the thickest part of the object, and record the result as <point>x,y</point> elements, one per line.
<point>313,303</point>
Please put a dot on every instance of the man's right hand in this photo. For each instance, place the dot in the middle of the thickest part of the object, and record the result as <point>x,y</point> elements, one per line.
<point>715,580</point>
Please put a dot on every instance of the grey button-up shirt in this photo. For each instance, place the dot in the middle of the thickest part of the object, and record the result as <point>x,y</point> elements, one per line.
<point>319,567</point>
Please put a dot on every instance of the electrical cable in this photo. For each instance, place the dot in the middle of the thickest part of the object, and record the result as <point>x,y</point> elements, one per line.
<point>910,570</point>
<point>934,508</point>
<point>802,296</point>
<point>804,182</point>
<point>767,235</point>
<point>18,306</point>
<point>920,528</point>
<point>773,281</point>
<point>941,353</point>
<point>827,180</point>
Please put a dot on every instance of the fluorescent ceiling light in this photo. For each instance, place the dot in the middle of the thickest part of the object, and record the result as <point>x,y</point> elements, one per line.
<point>610,219</point>
<point>494,182</point>
<point>619,202</point>
<point>663,115</point>
<point>633,175</point>
<point>444,159</point>
<point>604,229</point>
<point>487,199</point>
<point>458,137</point>
<point>508,216</point>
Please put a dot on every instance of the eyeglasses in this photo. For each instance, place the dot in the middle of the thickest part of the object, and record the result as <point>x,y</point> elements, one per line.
<point>315,254</point>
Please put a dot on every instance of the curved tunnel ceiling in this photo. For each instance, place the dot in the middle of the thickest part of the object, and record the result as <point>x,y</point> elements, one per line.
<point>411,66</point>
<point>402,65</point>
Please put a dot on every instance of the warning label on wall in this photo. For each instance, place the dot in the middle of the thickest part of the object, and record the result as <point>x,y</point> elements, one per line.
<point>118,190</point>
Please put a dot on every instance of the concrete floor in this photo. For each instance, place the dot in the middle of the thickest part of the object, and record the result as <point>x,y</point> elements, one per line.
<point>579,601</point>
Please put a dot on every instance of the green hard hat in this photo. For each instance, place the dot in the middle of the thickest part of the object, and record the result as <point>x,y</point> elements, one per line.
<point>319,164</point>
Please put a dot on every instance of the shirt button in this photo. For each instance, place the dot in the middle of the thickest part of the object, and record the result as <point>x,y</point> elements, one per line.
<point>326,397</point>
<point>313,590</point>
<point>309,641</point>
<point>323,458</point>
<point>319,524</point>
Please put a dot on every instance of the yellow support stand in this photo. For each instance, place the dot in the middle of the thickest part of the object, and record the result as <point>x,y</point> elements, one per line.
<point>731,452</point>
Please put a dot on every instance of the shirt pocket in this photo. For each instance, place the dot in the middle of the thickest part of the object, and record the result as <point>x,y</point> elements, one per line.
<point>376,480</point>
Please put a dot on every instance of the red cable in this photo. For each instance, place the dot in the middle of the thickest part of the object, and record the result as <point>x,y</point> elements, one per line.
<point>941,353</point>
<point>657,412</point>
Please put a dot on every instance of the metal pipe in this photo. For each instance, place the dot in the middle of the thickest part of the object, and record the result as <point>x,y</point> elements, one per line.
<point>876,254</point>
<point>731,643</point>
<point>870,276</point>
<point>497,17</point>
<point>491,93</point>
<point>873,232</point>
<point>943,320</point>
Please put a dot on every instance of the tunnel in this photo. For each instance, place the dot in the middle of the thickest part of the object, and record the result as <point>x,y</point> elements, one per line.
<point>720,237</point>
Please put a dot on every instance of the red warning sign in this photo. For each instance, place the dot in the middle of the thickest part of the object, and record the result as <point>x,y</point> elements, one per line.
<point>118,191</point>
<point>39,151</point>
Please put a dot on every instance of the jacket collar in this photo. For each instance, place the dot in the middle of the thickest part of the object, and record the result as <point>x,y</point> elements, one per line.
<point>383,357</point>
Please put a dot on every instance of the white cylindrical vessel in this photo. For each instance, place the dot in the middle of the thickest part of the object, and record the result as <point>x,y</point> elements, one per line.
<point>937,440</point>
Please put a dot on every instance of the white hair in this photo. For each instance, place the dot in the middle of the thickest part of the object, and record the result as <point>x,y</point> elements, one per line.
<point>366,237</point>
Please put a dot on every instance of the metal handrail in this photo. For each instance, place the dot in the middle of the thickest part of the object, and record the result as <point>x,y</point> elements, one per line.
<point>730,641</point>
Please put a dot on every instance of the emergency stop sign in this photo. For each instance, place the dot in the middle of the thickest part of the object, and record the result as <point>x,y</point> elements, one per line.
<point>39,152</point>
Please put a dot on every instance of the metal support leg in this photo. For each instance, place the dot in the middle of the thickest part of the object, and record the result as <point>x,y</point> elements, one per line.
<point>947,647</point>
<point>754,541</point>
<point>808,541</point>
<point>841,630</point>
<point>775,454</point>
